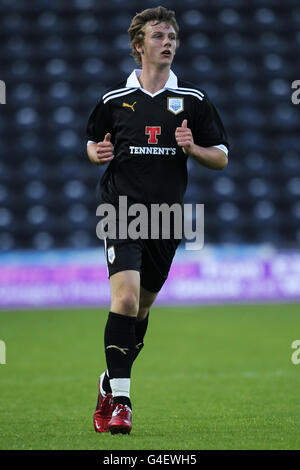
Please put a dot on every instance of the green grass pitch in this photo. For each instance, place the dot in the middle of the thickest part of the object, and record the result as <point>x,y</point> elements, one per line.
<point>209,377</point>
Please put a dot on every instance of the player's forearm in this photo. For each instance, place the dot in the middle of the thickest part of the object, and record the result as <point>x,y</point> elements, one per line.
<point>210,157</point>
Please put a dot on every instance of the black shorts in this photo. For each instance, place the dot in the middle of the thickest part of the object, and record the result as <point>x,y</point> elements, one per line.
<point>152,258</point>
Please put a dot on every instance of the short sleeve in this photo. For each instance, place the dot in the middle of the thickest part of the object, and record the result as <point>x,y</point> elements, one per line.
<point>209,130</point>
<point>99,122</point>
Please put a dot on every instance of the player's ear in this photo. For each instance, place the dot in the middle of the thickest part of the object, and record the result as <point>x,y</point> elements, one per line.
<point>139,48</point>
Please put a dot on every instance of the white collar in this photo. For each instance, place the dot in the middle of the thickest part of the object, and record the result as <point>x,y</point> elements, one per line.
<point>133,82</point>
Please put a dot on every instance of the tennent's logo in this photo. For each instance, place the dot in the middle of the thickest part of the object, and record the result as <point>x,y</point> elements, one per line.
<point>2,92</point>
<point>153,131</point>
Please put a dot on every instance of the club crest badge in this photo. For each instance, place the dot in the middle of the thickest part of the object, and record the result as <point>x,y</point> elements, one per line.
<point>175,105</point>
<point>111,254</point>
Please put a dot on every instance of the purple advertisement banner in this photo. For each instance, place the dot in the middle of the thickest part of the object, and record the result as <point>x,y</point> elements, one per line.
<point>212,275</point>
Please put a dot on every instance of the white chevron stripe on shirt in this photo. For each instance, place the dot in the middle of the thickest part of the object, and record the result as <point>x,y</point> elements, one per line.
<point>112,92</point>
<point>191,89</point>
<point>117,95</point>
<point>179,91</point>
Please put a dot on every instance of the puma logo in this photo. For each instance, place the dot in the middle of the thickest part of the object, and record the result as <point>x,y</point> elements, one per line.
<point>129,105</point>
<point>123,350</point>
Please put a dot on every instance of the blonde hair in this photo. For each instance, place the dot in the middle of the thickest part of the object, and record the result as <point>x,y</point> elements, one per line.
<point>136,30</point>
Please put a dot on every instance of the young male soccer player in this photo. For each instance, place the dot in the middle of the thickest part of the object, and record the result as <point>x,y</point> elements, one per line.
<point>146,127</point>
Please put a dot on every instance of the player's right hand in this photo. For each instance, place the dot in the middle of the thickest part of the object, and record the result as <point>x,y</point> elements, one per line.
<point>103,151</point>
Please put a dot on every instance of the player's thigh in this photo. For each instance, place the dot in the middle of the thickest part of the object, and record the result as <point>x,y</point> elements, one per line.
<point>147,298</point>
<point>125,292</point>
<point>156,263</point>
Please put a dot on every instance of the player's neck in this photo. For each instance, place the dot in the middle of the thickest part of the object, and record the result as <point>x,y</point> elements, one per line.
<point>153,79</point>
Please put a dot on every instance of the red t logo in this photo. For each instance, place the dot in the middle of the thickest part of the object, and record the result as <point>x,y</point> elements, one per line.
<point>153,131</point>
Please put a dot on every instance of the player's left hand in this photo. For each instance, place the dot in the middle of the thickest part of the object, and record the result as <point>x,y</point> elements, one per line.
<point>184,137</point>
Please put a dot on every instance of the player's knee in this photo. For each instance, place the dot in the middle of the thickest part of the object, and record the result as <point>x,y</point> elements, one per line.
<point>127,303</point>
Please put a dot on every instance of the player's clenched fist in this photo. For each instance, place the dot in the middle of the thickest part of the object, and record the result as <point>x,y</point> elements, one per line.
<point>184,137</point>
<point>102,152</point>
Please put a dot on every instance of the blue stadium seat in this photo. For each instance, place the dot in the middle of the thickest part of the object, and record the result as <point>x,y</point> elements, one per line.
<point>257,165</point>
<point>245,90</point>
<point>285,116</point>
<point>199,43</point>
<point>295,210</point>
<point>49,22</point>
<point>290,163</point>
<point>6,218</point>
<point>37,215</point>
<point>27,118</point>
<point>14,23</point>
<point>81,239</point>
<point>239,67</point>
<point>225,188</point>
<point>271,42</point>
<point>236,43</point>
<point>5,174</point>
<point>250,117</point>
<point>93,67</point>
<point>265,211</point>
<point>252,140</point>
<point>293,186</point>
<point>294,17</point>
<point>280,89</point>
<point>85,4</point>
<point>206,68</point>
<point>20,70</point>
<point>58,69</point>
<point>36,192</point>
<point>259,188</point>
<point>43,241</point>
<point>7,241</point>
<point>61,92</point>
<point>16,47</point>
<point>67,140</point>
<point>193,18</point>
<point>230,18</point>
<point>90,45</point>
<point>76,191</point>
<point>54,47</point>
<point>88,23</point>
<point>25,94</point>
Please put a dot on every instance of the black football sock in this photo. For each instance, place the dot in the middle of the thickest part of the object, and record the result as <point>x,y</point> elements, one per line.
<point>140,331</point>
<point>119,340</point>
<point>123,401</point>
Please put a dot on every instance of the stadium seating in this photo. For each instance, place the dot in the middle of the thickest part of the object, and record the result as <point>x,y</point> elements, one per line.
<point>57,58</point>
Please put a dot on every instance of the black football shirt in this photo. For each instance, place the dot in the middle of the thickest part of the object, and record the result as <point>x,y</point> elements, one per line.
<point>149,166</point>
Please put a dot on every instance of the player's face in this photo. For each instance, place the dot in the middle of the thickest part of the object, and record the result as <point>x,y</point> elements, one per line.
<point>159,44</point>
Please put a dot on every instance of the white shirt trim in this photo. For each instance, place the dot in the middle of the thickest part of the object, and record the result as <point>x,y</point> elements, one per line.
<point>133,82</point>
<point>117,94</point>
<point>222,147</point>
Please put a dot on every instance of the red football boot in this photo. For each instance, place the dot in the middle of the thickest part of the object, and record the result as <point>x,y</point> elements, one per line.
<point>121,420</point>
<point>104,408</point>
